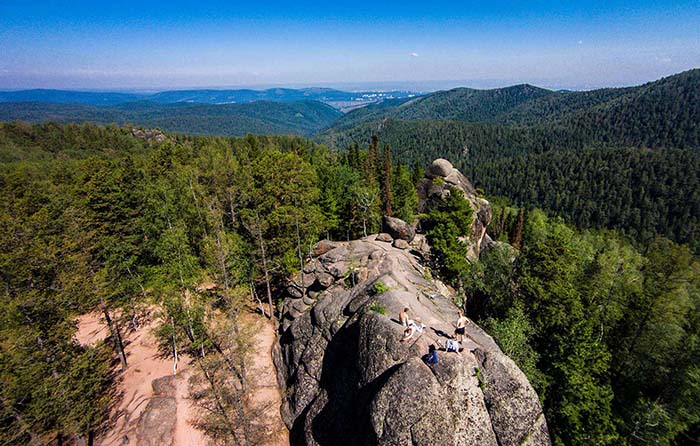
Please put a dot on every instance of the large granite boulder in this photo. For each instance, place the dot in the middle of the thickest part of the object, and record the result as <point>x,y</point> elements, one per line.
<point>439,168</point>
<point>351,379</point>
<point>398,228</point>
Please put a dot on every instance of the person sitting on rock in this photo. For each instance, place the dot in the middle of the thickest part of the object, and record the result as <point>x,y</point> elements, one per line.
<point>431,357</point>
<point>403,317</point>
<point>451,345</point>
<point>413,327</point>
<point>461,325</point>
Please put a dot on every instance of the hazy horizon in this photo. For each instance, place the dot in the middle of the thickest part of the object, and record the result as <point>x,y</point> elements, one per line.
<point>426,86</point>
<point>158,45</point>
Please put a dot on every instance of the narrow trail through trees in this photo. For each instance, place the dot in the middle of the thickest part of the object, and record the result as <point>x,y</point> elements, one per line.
<point>267,397</point>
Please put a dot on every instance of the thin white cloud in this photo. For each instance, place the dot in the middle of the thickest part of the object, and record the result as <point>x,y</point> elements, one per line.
<point>414,54</point>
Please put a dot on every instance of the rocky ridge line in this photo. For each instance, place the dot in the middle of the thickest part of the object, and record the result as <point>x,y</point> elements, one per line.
<point>351,379</point>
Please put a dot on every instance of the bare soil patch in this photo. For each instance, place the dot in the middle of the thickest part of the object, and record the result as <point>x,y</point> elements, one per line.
<point>145,416</point>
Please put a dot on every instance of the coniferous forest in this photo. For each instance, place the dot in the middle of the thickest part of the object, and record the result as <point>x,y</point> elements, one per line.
<point>349,223</point>
<point>613,158</point>
<point>604,322</point>
<point>95,217</point>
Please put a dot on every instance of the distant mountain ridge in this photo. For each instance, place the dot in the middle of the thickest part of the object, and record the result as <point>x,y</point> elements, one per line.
<point>260,117</point>
<point>517,104</point>
<point>337,98</point>
<point>663,113</point>
<point>510,120</point>
<point>460,104</point>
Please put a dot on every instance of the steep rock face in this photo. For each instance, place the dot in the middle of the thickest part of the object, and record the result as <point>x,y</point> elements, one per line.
<point>351,379</point>
<point>440,178</point>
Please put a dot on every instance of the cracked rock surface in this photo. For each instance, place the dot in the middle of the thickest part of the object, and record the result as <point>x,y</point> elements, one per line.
<point>350,379</point>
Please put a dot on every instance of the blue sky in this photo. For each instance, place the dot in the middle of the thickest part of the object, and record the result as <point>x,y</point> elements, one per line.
<point>422,45</point>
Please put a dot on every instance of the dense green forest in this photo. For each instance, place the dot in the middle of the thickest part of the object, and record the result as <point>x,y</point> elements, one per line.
<point>607,332</point>
<point>261,117</point>
<point>642,192</point>
<point>604,321</point>
<point>97,217</point>
<point>650,104</point>
<point>612,158</point>
<point>662,114</point>
<point>459,104</point>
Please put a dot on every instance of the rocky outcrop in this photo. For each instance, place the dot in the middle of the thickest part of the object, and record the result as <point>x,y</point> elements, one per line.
<point>151,135</point>
<point>440,179</point>
<point>398,228</point>
<point>351,379</point>
<point>157,422</point>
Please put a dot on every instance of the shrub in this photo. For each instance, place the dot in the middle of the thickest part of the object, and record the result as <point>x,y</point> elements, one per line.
<point>378,309</point>
<point>380,287</point>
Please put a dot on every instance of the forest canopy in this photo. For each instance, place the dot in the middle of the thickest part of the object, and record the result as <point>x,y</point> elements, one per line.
<point>605,328</point>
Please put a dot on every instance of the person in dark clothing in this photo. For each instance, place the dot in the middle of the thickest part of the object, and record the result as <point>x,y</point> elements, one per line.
<point>432,357</point>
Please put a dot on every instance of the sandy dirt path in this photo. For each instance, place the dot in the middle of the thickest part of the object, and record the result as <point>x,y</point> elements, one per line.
<point>144,366</point>
<point>267,397</point>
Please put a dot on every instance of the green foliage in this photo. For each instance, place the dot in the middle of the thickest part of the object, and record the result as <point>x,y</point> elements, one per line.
<point>641,192</point>
<point>95,215</point>
<point>612,158</point>
<point>483,384</point>
<point>473,126</point>
<point>379,287</point>
<point>513,335</point>
<point>446,223</point>
<point>459,104</point>
<point>21,141</point>
<point>84,224</point>
<point>378,308</point>
<point>608,335</point>
<point>405,197</point>
<point>608,331</point>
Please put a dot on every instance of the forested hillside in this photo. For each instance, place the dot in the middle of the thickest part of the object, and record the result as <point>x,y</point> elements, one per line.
<point>301,118</point>
<point>96,217</point>
<point>642,192</point>
<point>603,158</point>
<point>460,104</point>
<point>607,331</point>
<point>527,104</point>
<point>659,114</point>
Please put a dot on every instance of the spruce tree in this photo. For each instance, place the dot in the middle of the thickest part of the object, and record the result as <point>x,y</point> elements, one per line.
<point>387,194</point>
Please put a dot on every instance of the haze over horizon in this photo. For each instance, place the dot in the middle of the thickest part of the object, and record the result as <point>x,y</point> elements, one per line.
<point>158,45</point>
